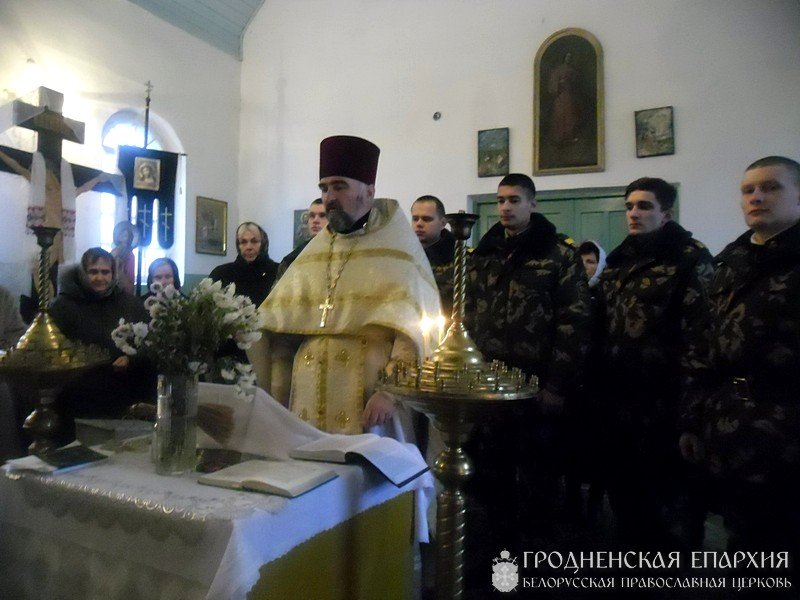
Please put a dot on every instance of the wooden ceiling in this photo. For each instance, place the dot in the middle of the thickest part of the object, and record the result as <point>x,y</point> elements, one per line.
<point>221,23</point>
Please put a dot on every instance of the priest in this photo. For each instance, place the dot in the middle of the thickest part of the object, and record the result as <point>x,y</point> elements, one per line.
<point>350,306</point>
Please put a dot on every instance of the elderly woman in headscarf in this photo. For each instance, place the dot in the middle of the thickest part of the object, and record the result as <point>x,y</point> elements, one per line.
<point>253,271</point>
<point>88,307</point>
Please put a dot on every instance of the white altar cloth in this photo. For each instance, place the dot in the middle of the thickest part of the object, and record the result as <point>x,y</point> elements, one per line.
<point>117,530</point>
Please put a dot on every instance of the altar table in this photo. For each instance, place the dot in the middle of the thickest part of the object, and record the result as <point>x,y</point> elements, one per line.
<point>117,530</point>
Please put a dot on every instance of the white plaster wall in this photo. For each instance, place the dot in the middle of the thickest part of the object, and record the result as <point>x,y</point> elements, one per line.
<point>100,53</point>
<point>381,68</point>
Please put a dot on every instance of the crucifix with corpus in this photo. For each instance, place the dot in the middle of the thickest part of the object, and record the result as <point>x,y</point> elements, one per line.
<point>53,199</point>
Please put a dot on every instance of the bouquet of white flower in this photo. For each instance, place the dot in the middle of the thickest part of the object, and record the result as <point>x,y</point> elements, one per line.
<point>185,331</point>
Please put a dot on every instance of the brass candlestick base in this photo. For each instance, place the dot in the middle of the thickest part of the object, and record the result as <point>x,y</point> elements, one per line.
<point>455,388</point>
<point>46,357</point>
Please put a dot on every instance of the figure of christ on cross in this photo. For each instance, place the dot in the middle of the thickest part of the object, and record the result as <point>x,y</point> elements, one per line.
<point>46,119</point>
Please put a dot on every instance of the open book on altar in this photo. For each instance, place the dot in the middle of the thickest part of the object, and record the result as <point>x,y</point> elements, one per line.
<point>283,478</point>
<point>394,460</point>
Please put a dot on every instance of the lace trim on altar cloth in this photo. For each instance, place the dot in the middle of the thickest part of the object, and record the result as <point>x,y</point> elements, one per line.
<point>172,505</point>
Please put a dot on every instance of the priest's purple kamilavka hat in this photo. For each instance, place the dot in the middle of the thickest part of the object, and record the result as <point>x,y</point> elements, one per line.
<point>348,156</point>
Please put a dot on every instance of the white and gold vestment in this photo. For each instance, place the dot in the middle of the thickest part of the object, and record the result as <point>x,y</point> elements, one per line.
<point>348,306</point>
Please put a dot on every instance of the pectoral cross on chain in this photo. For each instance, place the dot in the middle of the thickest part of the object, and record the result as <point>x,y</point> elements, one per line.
<point>325,307</point>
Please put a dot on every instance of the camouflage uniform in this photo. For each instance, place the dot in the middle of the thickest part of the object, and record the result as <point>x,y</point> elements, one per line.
<point>527,305</point>
<point>656,315</point>
<point>441,256</point>
<point>751,427</point>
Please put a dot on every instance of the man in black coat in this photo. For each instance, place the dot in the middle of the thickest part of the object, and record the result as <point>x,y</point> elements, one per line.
<point>656,324</point>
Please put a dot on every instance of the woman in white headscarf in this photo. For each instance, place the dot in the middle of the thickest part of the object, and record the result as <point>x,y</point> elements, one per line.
<point>594,261</point>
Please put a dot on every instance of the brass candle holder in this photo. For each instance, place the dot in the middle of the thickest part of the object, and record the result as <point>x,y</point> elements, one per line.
<point>455,387</point>
<point>45,357</point>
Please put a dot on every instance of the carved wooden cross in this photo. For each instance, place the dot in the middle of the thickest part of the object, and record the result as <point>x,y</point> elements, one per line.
<point>41,112</point>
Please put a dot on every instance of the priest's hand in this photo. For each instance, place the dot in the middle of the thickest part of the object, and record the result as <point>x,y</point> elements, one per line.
<point>379,409</point>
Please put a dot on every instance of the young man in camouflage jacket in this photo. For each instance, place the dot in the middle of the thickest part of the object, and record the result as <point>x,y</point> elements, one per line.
<point>528,306</point>
<point>744,422</point>
<point>428,221</point>
<point>656,316</point>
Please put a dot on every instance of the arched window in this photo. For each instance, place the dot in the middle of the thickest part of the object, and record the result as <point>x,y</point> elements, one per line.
<point>126,128</point>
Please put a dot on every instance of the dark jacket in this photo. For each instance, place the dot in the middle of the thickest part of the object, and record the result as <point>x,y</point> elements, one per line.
<point>84,316</point>
<point>441,256</point>
<point>254,279</point>
<point>752,429</point>
<point>528,303</point>
<point>656,316</point>
<point>290,258</point>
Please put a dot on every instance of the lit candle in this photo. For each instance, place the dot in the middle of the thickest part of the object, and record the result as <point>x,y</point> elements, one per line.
<point>425,326</point>
<point>440,320</point>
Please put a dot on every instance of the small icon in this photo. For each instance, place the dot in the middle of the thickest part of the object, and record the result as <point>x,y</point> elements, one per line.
<point>505,572</point>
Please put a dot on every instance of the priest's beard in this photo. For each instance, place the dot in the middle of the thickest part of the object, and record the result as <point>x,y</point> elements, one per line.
<point>339,220</point>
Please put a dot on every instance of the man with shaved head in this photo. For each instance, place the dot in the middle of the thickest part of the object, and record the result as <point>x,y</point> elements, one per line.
<point>744,421</point>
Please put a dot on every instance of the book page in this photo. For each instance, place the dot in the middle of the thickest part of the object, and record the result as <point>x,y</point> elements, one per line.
<point>398,463</point>
<point>333,448</point>
<point>286,478</point>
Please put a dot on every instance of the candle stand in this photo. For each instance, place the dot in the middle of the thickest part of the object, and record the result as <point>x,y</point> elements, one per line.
<point>45,357</point>
<point>455,388</point>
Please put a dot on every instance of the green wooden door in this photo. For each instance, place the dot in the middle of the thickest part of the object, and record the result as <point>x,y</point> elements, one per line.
<point>583,214</point>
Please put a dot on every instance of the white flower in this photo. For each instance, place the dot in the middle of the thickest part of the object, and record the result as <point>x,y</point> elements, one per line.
<point>140,330</point>
<point>231,316</point>
<point>244,339</point>
<point>185,330</point>
<point>170,292</point>
<point>243,368</point>
<point>228,374</point>
<point>156,287</point>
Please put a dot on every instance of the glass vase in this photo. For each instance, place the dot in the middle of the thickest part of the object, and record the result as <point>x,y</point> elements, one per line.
<point>174,449</point>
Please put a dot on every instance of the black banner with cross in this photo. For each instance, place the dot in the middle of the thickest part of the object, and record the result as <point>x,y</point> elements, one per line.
<point>151,174</point>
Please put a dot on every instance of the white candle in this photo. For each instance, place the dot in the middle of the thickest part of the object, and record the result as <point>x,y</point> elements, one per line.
<point>440,320</point>
<point>425,326</point>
